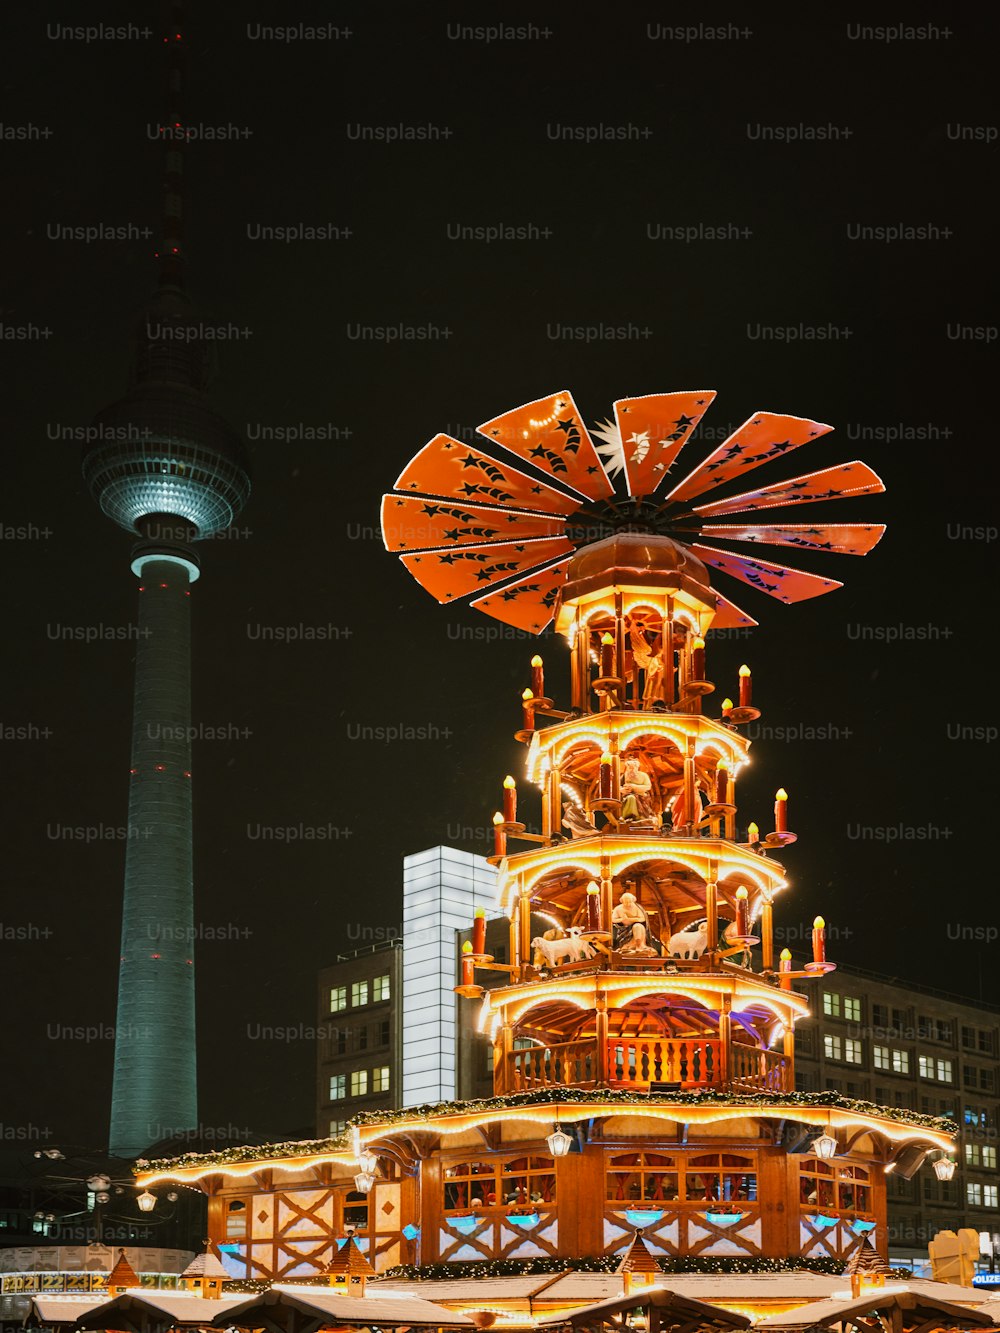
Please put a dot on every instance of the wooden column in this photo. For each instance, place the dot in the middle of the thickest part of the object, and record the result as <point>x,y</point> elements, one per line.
<point>555,800</point>
<point>689,782</point>
<point>788,1050</point>
<point>767,934</point>
<point>712,911</point>
<point>620,641</point>
<point>730,820</point>
<point>725,1038</point>
<point>601,1018</point>
<point>667,641</point>
<point>525,924</point>
<point>515,935</point>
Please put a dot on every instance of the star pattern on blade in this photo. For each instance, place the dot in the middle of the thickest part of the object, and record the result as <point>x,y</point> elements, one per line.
<point>477,525</point>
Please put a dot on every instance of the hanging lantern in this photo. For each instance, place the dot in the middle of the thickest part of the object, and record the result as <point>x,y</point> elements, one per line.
<point>367,1161</point>
<point>559,1143</point>
<point>99,1182</point>
<point>825,1146</point>
<point>146,1202</point>
<point>364,1181</point>
<point>944,1168</point>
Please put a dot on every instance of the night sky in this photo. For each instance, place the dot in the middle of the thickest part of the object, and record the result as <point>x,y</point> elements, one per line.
<point>891,341</point>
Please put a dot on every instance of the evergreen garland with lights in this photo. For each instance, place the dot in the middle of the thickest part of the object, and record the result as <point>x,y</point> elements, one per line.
<point>608,1263</point>
<point>611,1097</point>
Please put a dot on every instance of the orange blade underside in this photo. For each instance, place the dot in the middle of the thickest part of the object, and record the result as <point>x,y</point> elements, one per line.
<point>763,436</point>
<point>780,581</point>
<point>528,604</point>
<point>450,574</point>
<point>450,468</point>
<point>841,538</point>
<point>846,479</point>
<point>410,523</point>
<point>654,429</point>
<point>728,615</point>
<point>550,434</point>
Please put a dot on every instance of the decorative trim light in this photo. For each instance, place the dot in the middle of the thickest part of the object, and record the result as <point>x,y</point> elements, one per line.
<point>146,1201</point>
<point>944,1168</point>
<point>825,1146</point>
<point>364,1181</point>
<point>559,1143</point>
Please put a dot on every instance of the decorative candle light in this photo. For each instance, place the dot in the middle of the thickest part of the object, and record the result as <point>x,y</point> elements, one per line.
<point>528,706</point>
<point>468,964</point>
<point>721,782</point>
<point>819,940</point>
<point>753,834</point>
<point>607,655</point>
<point>727,708</point>
<point>479,931</point>
<point>593,906</point>
<point>607,774</point>
<point>509,800</point>
<point>537,677</point>
<point>781,811</point>
<point>784,968</point>
<point>742,911</point>
<point>698,659</point>
<point>745,690</point>
<point>499,837</point>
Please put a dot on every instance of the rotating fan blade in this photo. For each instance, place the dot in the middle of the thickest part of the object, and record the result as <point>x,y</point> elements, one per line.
<point>845,479</point>
<point>448,467</point>
<point>763,436</point>
<point>550,434</point>
<point>412,523</point>
<point>728,615</point>
<point>450,574</point>
<point>653,430</point>
<point>529,603</point>
<point>841,538</point>
<point>780,581</point>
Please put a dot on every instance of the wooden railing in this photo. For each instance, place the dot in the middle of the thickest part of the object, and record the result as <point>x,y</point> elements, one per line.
<point>638,1062</point>
<point>752,1068</point>
<point>571,1063</point>
<point>635,1062</point>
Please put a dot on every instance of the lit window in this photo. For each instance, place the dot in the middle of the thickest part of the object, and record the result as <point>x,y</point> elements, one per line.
<point>944,1071</point>
<point>972,1154</point>
<point>359,1083</point>
<point>380,988</point>
<point>338,999</point>
<point>832,1047</point>
<point>852,1008</point>
<point>236,1219</point>
<point>380,1078</point>
<point>990,1196</point>
<point>974,1192</point>
<point>852,1051</point>
<point>338,1087</point>
<point>880,1055</point>
<point>831,1004</point>
<point>990,1158</point>
<point>926,1066</point>
<point>901,1062</point>
<point>359,994</point>
<point>337,1127</point>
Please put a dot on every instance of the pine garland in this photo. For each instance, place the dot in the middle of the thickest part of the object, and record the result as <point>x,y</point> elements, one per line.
<point>610,1097</point>
<point>608,1263</point>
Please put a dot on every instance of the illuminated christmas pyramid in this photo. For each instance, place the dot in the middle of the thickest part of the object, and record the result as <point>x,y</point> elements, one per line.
<point>643,1032</point>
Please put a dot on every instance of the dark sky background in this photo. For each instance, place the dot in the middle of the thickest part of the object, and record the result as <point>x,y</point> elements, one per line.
<point>889,755</point>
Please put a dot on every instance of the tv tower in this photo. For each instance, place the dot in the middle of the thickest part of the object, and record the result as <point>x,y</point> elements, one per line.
<point>169,469</point>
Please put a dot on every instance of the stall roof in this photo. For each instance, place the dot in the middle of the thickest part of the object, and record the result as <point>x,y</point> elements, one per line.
<point>317,1307</point>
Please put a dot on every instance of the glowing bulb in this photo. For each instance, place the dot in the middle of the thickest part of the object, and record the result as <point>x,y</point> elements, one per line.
<point>727,706</point>
<point>509,782</point>
<point>593,887</point>
<point>819,923</point>
<point>526,694</point>
<point>696,644</point>
<point>497,818</point>
<point>742,892</point>
<point>607,638</point>
<point>467,947</point>
<point>722,766</point>
<point>781,794</point>
<point>744,671</point>
<point>786,955</point>
<point>536,661</point>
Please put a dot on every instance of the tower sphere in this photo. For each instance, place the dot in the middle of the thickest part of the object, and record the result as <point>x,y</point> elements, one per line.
<point>166,451</point>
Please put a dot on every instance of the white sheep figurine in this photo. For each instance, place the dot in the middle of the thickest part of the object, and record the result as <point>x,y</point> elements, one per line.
<point>572,947</point>
<point>693,940</point>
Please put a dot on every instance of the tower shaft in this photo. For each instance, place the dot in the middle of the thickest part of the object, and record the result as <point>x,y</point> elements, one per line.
<point>155,1082</point>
